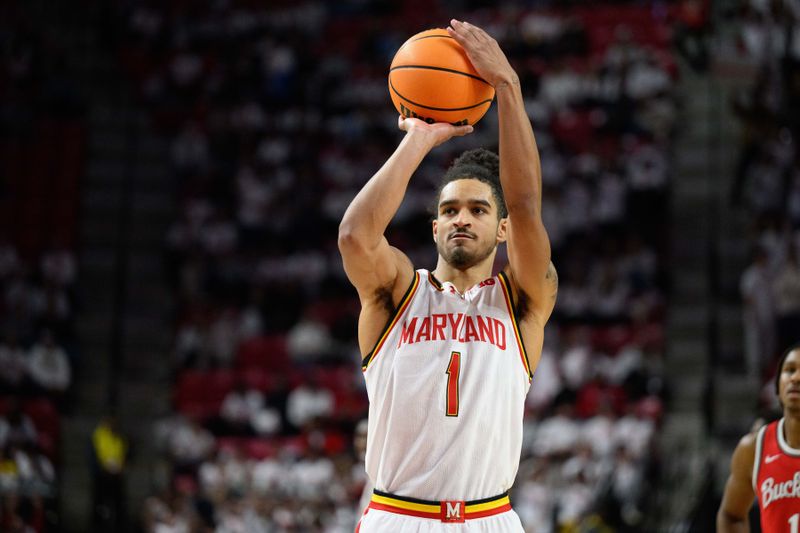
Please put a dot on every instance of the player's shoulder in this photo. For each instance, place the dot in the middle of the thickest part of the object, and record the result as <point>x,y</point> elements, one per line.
<point>744,455</point>
<point>748,442</point>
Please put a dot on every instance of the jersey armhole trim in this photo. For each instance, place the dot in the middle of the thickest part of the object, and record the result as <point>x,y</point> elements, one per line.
<point>506,285</point>
<point>404,301</point>
<point>757,458</point>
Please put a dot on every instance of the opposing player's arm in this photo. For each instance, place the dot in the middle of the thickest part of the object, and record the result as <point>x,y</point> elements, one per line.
<point>370,263</point>
<point>531,271</point>
<point>737,499</point>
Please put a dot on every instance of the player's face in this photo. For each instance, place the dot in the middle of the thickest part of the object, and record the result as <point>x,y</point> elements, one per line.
<point>467,229</point>
<point>789,382</point>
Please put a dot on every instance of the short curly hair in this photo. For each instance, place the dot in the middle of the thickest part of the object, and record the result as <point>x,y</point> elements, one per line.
<point>479,164</point>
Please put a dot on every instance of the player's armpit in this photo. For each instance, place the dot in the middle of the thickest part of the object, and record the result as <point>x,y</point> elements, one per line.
<point>529,263</point>
<point>738,496</point>
<point>535,304</point>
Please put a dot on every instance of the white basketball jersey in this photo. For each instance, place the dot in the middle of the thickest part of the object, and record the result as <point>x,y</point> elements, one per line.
<point>447,383</point>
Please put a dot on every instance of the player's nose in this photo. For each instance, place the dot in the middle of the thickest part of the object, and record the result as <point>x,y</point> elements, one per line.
<point>462,219</point>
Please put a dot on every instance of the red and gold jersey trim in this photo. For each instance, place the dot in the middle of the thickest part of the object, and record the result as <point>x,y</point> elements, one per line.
<point>430,509</point>
<point>506,285</point>
<point>435,282</point>
<point>401,307</point>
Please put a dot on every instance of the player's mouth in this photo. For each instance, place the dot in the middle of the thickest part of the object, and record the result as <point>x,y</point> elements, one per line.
<point>461,235</point>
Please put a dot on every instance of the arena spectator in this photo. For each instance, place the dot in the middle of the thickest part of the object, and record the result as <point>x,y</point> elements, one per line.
<point>786,291</point>
<point>190,444</point>
<point>49,367</point>
<point>109,457</point>
<point>17,427</point>
<point>759,313</point>
<point>308,402</point>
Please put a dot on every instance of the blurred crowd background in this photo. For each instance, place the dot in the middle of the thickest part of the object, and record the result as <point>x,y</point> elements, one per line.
<point>217,144</point>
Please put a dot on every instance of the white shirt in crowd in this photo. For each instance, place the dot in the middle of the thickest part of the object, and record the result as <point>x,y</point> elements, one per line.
<point>786,288</point>
<point>191,443</point>
<point>546,381</point>
<point>756,290</point>
<point>634,434</point>
<point>49,368</point>
<point>306,403</point>
<point>554,435</point>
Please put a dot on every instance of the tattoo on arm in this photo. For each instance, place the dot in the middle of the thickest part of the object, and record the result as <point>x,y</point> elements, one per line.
<point>552,278</point>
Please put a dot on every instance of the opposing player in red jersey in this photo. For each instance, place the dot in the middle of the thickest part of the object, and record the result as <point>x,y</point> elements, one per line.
<point>766,464</point>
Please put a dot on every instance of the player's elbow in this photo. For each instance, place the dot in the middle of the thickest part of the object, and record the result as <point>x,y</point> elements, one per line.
<point>728,523</point>
<point>347,236</point>
<point>350,239</point>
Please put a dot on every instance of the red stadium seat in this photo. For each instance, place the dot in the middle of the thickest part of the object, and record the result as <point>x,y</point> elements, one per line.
<point>230,444</point>
<point>44,416</point>
<point>258,379</point>
<point>265,352</point>
<point>190,386</point>
<point>257,448</point>
<point>200,393</point>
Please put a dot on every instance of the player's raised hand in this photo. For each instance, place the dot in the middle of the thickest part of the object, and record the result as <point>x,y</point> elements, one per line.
<point>483,51</point>
<point>435,133</point>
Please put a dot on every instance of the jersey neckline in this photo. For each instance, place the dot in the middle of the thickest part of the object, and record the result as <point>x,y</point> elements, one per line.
<point>439,285</point>
<point>783,444</point>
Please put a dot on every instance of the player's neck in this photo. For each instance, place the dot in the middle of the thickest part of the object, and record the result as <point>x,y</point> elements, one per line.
<point>464,279</point>
<point>791,428</point>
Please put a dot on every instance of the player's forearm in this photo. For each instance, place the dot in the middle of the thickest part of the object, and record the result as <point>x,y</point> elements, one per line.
<point>373,208</point>
<point>520,169</point>
<point>730,524</point>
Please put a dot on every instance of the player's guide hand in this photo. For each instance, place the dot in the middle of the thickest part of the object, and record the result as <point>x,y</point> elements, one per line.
<point>435,133</point>
<point>484,53</point>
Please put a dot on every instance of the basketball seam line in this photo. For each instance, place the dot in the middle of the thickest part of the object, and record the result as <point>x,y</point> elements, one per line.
<point>432,37</point>
<point>427,67</point>
<point>437,108</point>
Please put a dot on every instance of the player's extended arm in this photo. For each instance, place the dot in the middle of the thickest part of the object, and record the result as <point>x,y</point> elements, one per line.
<point>520,171</point>
<point>732,516</point>
<point>371,264</point>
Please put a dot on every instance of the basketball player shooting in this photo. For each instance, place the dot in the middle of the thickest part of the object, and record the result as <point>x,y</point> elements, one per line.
<point>449,354</point>
<point>766,464</point>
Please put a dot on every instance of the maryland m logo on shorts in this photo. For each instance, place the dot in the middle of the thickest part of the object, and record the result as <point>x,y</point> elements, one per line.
<point>454,511</point>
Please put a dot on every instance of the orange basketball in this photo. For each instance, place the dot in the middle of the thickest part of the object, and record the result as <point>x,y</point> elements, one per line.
<point>431,78</point>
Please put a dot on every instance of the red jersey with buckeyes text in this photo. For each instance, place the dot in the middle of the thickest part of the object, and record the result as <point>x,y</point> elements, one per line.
<point>776,480</point>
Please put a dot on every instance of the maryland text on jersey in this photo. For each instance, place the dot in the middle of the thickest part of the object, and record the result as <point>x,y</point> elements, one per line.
<point>772,490</point>
<point>453,326</point>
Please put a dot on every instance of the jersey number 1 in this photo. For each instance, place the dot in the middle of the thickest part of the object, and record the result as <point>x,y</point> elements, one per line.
<point>453,371</point>
<point>794,522</point>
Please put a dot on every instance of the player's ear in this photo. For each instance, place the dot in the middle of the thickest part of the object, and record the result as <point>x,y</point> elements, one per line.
<point>502,230</point>
<point>435,226</point>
